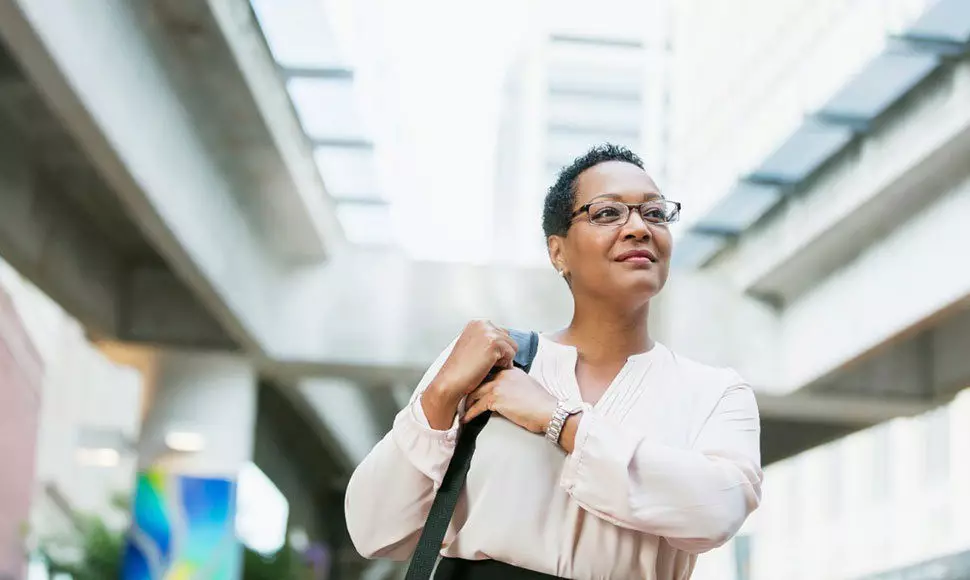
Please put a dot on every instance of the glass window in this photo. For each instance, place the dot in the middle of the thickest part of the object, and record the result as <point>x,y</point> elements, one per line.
<point>835,477</point>
<point>348,172</point>
<point>881,467</point>
<point>795,497</point>
<point>297,32</point>
<point>881,462</point>
<point>595,114</point>
<point>937,453</point>
<point>327,108</point>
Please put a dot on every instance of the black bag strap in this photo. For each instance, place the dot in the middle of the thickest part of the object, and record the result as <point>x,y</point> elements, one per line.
<point>429,544</point>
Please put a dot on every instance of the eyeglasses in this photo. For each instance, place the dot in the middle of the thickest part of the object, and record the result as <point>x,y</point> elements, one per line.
<point>616,213</point>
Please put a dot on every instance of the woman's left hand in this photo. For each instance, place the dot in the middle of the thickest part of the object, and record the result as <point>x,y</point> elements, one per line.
<point>517,397</point>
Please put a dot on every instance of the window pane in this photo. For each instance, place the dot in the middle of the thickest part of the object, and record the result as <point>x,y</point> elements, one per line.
<point>297,32</point>
<point>881,472</point>
<point>348,172</point>
<point>836,491</point>
<point>366,223</point>
<point>937,425</point>
<point>327,108</point>
<point>608,115</point>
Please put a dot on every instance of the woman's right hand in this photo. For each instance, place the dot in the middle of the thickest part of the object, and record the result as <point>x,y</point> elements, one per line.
<point>481,346</point>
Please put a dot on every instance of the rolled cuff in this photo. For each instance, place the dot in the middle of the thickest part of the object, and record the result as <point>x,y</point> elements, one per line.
<point>428,450</point>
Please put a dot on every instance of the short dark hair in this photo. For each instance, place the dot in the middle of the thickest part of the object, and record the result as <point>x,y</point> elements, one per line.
<point>561,196</point>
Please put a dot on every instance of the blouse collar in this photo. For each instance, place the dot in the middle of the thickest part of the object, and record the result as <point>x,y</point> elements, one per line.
<point>549,344</point>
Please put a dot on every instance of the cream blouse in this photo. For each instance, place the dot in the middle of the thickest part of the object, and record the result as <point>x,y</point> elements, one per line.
<point>666,465</point>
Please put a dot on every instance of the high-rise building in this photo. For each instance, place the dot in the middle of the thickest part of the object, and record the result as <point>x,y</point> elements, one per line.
<point>580,79</point>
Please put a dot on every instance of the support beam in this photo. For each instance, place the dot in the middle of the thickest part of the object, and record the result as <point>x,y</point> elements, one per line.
<point>383,311</point>
<point>72,259</point>
<point>301,207</point>
<point>157,308</point>
<point>926,364</point>
<point>871,299</point>
<point>99,73</point>
<point>41,237</point>
<point>335,401</point>
<point>781,439</point>
<point>836,408</point>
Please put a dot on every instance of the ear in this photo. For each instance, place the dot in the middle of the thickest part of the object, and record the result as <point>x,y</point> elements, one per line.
<point>557,252</point>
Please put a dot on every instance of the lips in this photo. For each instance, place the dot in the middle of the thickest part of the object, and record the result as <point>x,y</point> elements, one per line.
<point>637,255</point>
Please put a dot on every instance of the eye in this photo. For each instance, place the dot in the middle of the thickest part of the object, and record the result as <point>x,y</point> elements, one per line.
<point>606,213</point>
<point>654,214</point>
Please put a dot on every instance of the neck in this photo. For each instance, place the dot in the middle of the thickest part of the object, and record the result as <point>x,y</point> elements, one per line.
<point>603,332</point>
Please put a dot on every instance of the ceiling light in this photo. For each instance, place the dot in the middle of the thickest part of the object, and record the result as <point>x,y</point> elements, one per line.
<point>185,441</point>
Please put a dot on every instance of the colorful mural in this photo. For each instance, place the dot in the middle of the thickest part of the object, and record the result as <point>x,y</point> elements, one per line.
<point>183,528</point>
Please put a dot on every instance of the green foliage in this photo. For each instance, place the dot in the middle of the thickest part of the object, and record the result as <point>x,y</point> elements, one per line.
<point>102,549</point>
<point>284,565</point>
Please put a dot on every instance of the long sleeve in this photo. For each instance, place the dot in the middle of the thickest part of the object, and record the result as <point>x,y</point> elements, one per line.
<point>696,498</point>
<point>391,491</point>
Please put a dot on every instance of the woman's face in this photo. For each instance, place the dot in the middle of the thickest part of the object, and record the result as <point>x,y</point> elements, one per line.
<point>625,263</point>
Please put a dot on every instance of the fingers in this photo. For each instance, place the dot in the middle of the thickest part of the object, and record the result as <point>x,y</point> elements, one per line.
<point>478,401</point>
<point>475,410</point>
<point>479,393</point>
<point>507,347</point>
<point>506,353</point>
<point>496,340</point>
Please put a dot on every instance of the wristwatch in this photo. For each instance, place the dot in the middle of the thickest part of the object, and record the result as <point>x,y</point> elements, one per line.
<point>564,409</point>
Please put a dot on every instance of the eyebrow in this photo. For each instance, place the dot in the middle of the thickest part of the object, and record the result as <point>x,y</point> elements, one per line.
<point>615,196</point>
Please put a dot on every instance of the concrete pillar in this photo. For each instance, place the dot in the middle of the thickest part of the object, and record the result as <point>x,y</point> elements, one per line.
<point>198,432</point>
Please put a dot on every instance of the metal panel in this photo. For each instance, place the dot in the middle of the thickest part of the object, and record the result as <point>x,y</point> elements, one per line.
<point>945,20</point>
<point>694,249</point>
<point>741,208</point>
<point>327,108</point>
<point>297,32</point>
<point>337,73</point>
<point>806,150</point>
<point>882,82</point>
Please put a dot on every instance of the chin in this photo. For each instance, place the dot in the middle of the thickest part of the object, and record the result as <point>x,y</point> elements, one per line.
<point>642,289</point>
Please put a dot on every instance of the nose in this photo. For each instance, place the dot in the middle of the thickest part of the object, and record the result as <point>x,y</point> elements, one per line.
<point>636,228</point>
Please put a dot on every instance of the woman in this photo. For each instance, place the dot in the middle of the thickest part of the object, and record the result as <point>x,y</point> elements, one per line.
<point>657,459</point>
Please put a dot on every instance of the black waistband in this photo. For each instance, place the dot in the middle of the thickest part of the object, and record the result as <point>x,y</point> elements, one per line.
<point>457,569</point>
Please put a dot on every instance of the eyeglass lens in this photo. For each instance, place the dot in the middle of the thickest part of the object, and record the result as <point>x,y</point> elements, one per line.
<point>612,212</point>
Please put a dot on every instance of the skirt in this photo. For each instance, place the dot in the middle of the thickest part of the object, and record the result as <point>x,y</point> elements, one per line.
<point>457,569</point>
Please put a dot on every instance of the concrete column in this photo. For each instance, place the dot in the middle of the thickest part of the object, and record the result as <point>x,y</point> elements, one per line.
<point>198,432</point>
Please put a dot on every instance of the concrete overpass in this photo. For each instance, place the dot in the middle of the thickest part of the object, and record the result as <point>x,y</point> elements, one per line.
<point>155,180</point>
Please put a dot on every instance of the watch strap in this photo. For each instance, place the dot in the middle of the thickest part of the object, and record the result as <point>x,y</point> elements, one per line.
<point>564,409</point>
